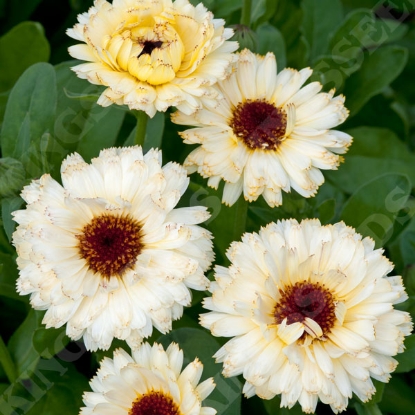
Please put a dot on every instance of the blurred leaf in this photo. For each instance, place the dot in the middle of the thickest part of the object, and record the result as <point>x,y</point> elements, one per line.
<point>398,398</point>
<point>360,30</point>
<point>8,206</point>
<point>320,19</point>
<point>21,347</point>
<point>28,37</point>
<point>332,70</point>
<point>403,83</point>
<point>21,10</point>
<point>273,407</point>
<point>50,341</point>
<point>270,39</point>
<point>383,112</point>
<point>154,133</point>
<point>100,131</point>
<point>286,19</point>
<point>374,152</point>
<point>12,176</point>
<point>327,210</point>
<point>54,387</point>
<point>224,8</point>
<point>30,110</point>
<point>81,124</point>
<point>4,96</point>
<point>8,277</point>
<point>259,8</point>
<point>226,397</point>
<point>92,96</point>
<point>407,358</point>
<point>270,9</point>
<point>379,68</point>
<point>373,207</point>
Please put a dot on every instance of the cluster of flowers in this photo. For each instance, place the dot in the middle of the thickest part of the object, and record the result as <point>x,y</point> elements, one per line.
<point>309,307</point>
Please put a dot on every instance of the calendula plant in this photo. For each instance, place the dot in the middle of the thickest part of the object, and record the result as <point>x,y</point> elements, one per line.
<point>207,207</point>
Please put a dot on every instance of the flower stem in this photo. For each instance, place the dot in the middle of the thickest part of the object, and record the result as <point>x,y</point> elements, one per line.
<point>140,133</point>
<point>246,13</point>
<point>7,362</point>
<point>239,224</point>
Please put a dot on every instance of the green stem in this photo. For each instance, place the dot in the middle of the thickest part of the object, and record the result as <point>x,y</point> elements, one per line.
<point>7,362</point>
<point>246,13</point>
<point>240,212</point>
<point>140,132</point>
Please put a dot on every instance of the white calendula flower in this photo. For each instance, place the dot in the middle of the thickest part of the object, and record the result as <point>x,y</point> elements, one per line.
<point>107,253</point>
<point>148,382</point>
<point>268,133</point>
<point>152,54</point>
<point>310,310</point>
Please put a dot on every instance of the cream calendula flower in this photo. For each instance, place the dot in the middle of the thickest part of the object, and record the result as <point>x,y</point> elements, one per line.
<point>148,382</point>
<point>107,253</point>
<point>152,54</point>
<point>310,310</point>
<point>268,133</point>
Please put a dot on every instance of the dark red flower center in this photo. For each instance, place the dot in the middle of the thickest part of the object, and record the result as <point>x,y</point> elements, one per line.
<point>259,124</point>
<point>154,403</point>
<point>110,244</point>
<point>303,300</point>
<point>149,46</point>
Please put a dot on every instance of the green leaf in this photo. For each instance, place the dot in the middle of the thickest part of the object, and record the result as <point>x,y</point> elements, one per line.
<point>12,176</point>
<point>320,20</point>
<point>226,397</point>
<point>407,358</point>
<point>374,152</point>
<point>259,8</point>
<point>8,277</point>
<point>286,19</point>
<point>100,131</point>
<point>270,39</point>
<point>20,345</point>
<point>398,398</point>
<point>54,387</point>
<point>154,133</point>
<point>373,208</point>
<point>359,31</point>
<point>8,206</point>
<point>81,124</point>
<point>28,37</point>
<point>379,68</point>
<point>30,110</point>
<point>270,10</point>
<point>49,341</point>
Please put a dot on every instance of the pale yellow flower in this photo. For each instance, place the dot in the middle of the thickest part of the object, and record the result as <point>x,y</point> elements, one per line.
<point>107,253</point>
<point>152,54</point>
<point>310,312</point>
<point>268,134</point>
<point>151,381</point>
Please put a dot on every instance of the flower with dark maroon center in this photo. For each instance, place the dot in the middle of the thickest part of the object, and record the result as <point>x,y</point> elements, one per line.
<point>154,403</point>
<point>110,244</point>
<point>303,300</point>
<point>259,124</point>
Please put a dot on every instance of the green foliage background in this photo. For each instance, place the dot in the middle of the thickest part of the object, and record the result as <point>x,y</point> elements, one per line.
<point>363,48</point>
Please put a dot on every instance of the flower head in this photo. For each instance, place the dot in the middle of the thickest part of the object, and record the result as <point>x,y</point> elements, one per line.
<point>267,134</point>
<point>148,382</point>
<point>310,310</point>
<point>152,54</point>
<point>107,253</point>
